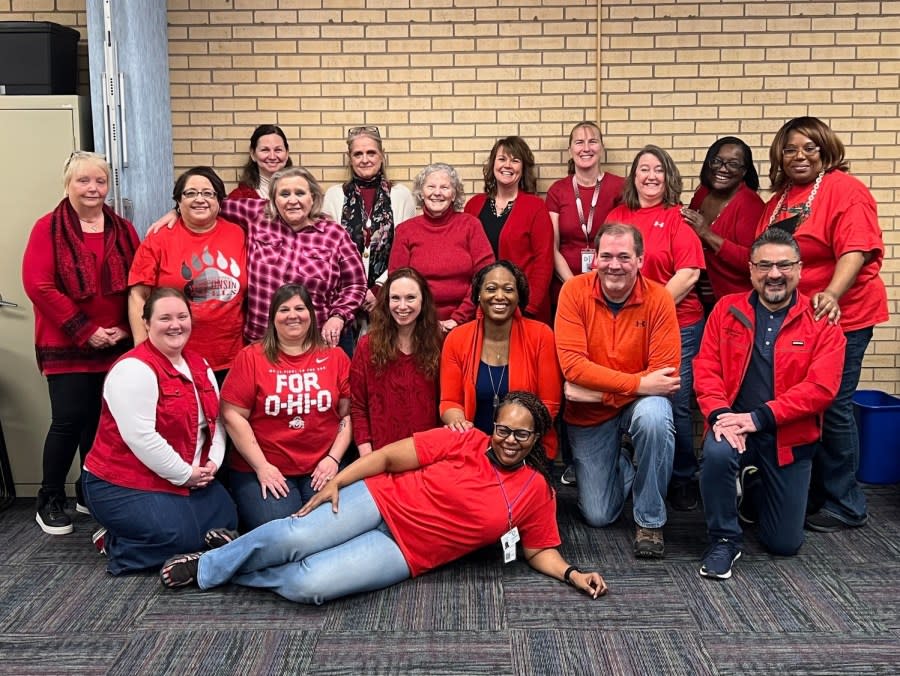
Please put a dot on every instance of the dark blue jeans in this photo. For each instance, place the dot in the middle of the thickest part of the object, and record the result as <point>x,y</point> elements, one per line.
<point>834,466</point>
<point>780,498</point>
<point>254,511</point>
<point>146,528</point>
<point>684,466</point>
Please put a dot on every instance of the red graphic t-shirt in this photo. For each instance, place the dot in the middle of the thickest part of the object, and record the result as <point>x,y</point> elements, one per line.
<point>293,404</point>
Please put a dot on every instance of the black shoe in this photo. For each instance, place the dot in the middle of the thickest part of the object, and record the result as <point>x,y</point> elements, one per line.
<point>219,537</point>
<point>568,477</point>
<point>825,522</point>
<point>684,496</point>
<point>80,504</point>
<point>51,515</point>
<point>748,483</point>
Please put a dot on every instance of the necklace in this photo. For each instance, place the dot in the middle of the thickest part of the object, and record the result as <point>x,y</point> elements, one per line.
<point>91,226</point>
<point>506,209</point>
<point>803,211</point>
<point>496,388</point>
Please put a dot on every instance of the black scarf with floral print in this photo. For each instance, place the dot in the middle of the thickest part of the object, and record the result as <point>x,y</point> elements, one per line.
<point>376,241</point>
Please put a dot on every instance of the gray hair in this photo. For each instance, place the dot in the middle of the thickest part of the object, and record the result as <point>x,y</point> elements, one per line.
<point>458,201</point>
<point>775,236</point>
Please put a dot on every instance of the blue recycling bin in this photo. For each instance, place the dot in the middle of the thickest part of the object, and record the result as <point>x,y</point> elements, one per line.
<point>878,420</point>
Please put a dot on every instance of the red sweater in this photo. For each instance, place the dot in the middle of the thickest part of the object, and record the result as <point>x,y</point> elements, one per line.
<point>243,192</point>
<point>527,240</point>
<point>447,251</point>
<point>809,358</point>
<point>736,224</point>
<point>532,367</point>
<point>390,404</point>
<point>60,333</point>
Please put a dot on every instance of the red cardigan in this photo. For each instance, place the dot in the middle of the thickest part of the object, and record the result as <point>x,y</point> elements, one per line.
<point>527,240</point>
<point>532,367</point>
<point>727,268</point>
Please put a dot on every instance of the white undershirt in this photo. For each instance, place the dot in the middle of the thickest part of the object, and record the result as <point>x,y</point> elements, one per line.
<point>131,392</point>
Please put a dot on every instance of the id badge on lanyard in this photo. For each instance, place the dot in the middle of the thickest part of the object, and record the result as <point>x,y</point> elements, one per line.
<point>587,253</point>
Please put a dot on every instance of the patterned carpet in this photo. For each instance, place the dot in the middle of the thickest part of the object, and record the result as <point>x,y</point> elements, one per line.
<point>834,609</point>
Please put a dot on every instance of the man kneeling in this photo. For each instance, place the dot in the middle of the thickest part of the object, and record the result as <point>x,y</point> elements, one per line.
<point>766,371</point>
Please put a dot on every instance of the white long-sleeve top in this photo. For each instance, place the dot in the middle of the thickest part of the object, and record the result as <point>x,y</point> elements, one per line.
<point>131,392</point>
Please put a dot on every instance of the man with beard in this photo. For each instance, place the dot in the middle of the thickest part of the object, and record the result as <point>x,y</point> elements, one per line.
<point>765,373</point>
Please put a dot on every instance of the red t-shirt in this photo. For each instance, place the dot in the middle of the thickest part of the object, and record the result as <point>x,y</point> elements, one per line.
<point>843,218</point>
<point>293,404</point>
<point>211,269</point>
<point>561,200</point>
<point>454,504</point>
<point>669,245</point>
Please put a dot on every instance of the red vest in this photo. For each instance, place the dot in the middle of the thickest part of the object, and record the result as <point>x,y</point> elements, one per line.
<point>177,422</point>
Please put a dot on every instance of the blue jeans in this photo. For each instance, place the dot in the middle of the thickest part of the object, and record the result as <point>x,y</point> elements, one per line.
<point>254,511</point>
<point>685,466</point>
<point>606,475</point>
<point>145,528</point>
<point>836,463</point>
<point>780,499</point>
<point>315,558</point>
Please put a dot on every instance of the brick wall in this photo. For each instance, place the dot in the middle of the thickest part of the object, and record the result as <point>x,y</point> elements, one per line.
<point>444,78</point>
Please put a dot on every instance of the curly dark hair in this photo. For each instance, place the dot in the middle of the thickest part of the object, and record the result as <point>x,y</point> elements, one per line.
<point>542,422</point>
<point>521,281</point>
<point>426,334</point>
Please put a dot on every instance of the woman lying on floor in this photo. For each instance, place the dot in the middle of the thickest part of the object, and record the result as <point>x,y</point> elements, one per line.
<point>412,506</point>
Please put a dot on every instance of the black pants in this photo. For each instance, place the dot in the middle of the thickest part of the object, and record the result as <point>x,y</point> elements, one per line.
<point>75,400</point>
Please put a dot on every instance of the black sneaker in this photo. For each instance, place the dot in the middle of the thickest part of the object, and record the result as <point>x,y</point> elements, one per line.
<point>80,504</point>
<point>51,515</point>
<point>684,496</point>
<point>748,482</point>
<point>568,477</point>
<point>719,558</point>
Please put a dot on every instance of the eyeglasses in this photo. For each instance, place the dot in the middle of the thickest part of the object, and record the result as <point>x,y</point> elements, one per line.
<point>731,165</point>
<point>766,266</point>
<point>369,130</point>
<point>808,150</point>
<point>193,194</point>
<point>520,435</point>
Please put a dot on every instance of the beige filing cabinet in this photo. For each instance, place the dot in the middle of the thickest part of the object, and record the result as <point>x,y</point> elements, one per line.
<point>37,135</point>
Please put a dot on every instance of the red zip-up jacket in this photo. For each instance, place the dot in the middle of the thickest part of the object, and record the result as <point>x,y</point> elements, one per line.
<point>809,359</point>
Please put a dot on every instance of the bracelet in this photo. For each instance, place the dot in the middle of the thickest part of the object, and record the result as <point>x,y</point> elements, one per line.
<point>567,576</point>
<point>336,461</point>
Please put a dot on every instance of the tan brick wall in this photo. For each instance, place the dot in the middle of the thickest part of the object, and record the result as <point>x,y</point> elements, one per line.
<point>444,78</point>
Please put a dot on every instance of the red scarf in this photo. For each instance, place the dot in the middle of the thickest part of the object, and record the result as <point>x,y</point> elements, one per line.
<point>75,263</point>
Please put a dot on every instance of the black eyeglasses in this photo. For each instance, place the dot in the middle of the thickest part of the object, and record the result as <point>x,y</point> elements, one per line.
<point>809,150</point>
<point>766,266</point>
<point>731,165</point>
<point>521,435</point>
<point>193,194</point>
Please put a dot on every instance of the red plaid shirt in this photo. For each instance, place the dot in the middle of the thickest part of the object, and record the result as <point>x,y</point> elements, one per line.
<point>321,256</point>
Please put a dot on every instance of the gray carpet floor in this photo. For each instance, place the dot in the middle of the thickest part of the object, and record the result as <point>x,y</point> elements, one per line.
<point>833,609</point>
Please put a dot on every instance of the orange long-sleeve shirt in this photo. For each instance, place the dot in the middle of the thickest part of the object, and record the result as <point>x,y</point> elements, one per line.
<point>610,353</point>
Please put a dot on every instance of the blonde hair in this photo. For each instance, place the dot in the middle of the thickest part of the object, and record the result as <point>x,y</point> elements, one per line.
<point>82,158</point>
